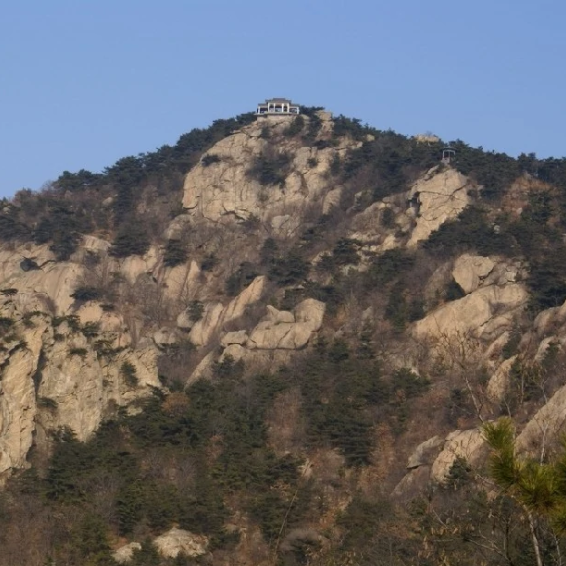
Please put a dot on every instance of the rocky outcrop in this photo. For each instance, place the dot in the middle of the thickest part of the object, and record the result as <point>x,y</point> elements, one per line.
<point>61,373</point>
<point>270,342</point>
<point>215,315</point>
<point>465,444</point>
<point>493,302</point>
<point>425,453</point>
<point>545,426</point>
<point>222,186</point>
<point>441,195</point>
<point>125,553</point>
<point>178,541</point>
<point>470,270</point>
<point>287,330</point>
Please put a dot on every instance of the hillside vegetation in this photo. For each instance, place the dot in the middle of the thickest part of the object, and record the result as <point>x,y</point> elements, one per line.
<point>293,341</point>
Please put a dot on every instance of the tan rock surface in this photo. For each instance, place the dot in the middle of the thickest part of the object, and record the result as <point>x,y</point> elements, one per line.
<point>287,331</point>
<point>485,313</point>
<point>177,541</point>
<point>470,270</point>
<point>225,189</point>
<point>441,197</point>
<point>545,426</point>
<point>125,553</point>
<point>467,444</point>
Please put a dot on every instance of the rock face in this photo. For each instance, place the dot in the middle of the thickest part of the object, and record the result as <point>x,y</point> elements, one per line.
<point>178,541</point>
<point>276,335</point>
<point>216,315</point>
<point>222,187</point>
<point>490,307</point>
<point>469,270</point>
<point>54,375</point>
<point>125,553</point>
<point>466,444</point>
<point>285,330</point>
<point>425,453</point>
<point>441,196</point>
<point>546,425</point>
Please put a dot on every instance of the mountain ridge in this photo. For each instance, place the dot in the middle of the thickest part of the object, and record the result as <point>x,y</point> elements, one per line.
<point>247,334</point>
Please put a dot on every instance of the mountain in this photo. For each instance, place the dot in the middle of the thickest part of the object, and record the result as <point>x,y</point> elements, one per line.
<point>277,342</point>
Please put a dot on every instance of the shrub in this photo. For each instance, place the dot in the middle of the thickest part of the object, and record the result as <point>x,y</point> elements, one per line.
<point>196,310</point>
<point>86,293</point>
<point>82,352</point>
<point>175,253</point>
<point>296,126</point>
<point>91,329</point>
<point>270,168</point>
<point>209,159</point>
<point>131,239</point>
<point>129,373</point>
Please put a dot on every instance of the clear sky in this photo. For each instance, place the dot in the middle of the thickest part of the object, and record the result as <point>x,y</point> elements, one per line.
<point>86,82</point>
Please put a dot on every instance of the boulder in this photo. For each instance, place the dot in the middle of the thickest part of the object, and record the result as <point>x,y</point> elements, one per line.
<point>425,453</point>
<point>216,316</point>
<point>470,270</point>
<point>125,553</point>
<point>485,313</point>
<point>164,337</point>
<point>498,384</point>
<point>203,330</point>
<point>239,337</point>
<point>223,190</point>
<point>466,444</point>
<point>286,330</point>
<point>178,541</point>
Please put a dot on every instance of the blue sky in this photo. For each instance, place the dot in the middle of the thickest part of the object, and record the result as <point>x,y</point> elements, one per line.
<point>84,83</point>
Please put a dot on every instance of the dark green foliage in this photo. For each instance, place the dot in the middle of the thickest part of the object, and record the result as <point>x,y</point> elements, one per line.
<point>361,520</point>
<point>296,126</point>
<point>289,269</point>
<point>270,168</point>
<point>91,329</point>
<point>82,352</point>
<point>86,293</point>
<point>62,226</point>
<point>68,456</point>
<point>77,181</point>
<point>352,127</point>
<point>387,218</point>
<point>240,279</point>
<point>391,161</point>
<point>129,373</point>
<point>91,538</point>
<point>6,326</point>
<point>196,309</point>
<point>209,159</point>
<point>72,320</point>
<point>453,291</point>
<point>47,403</point>
<point>209,262</point>
<point>494,171</point>
<point>388,267</point>
<point>470,231</point>
<point>130,504</point>
<point>268,252</point>
<point>9,292</point>
<point>511,346</point>
<point>345,252</point>
<point>131,239</point>
<point>460,474</point>
<point>175,253</point>
<point>147,555</point>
